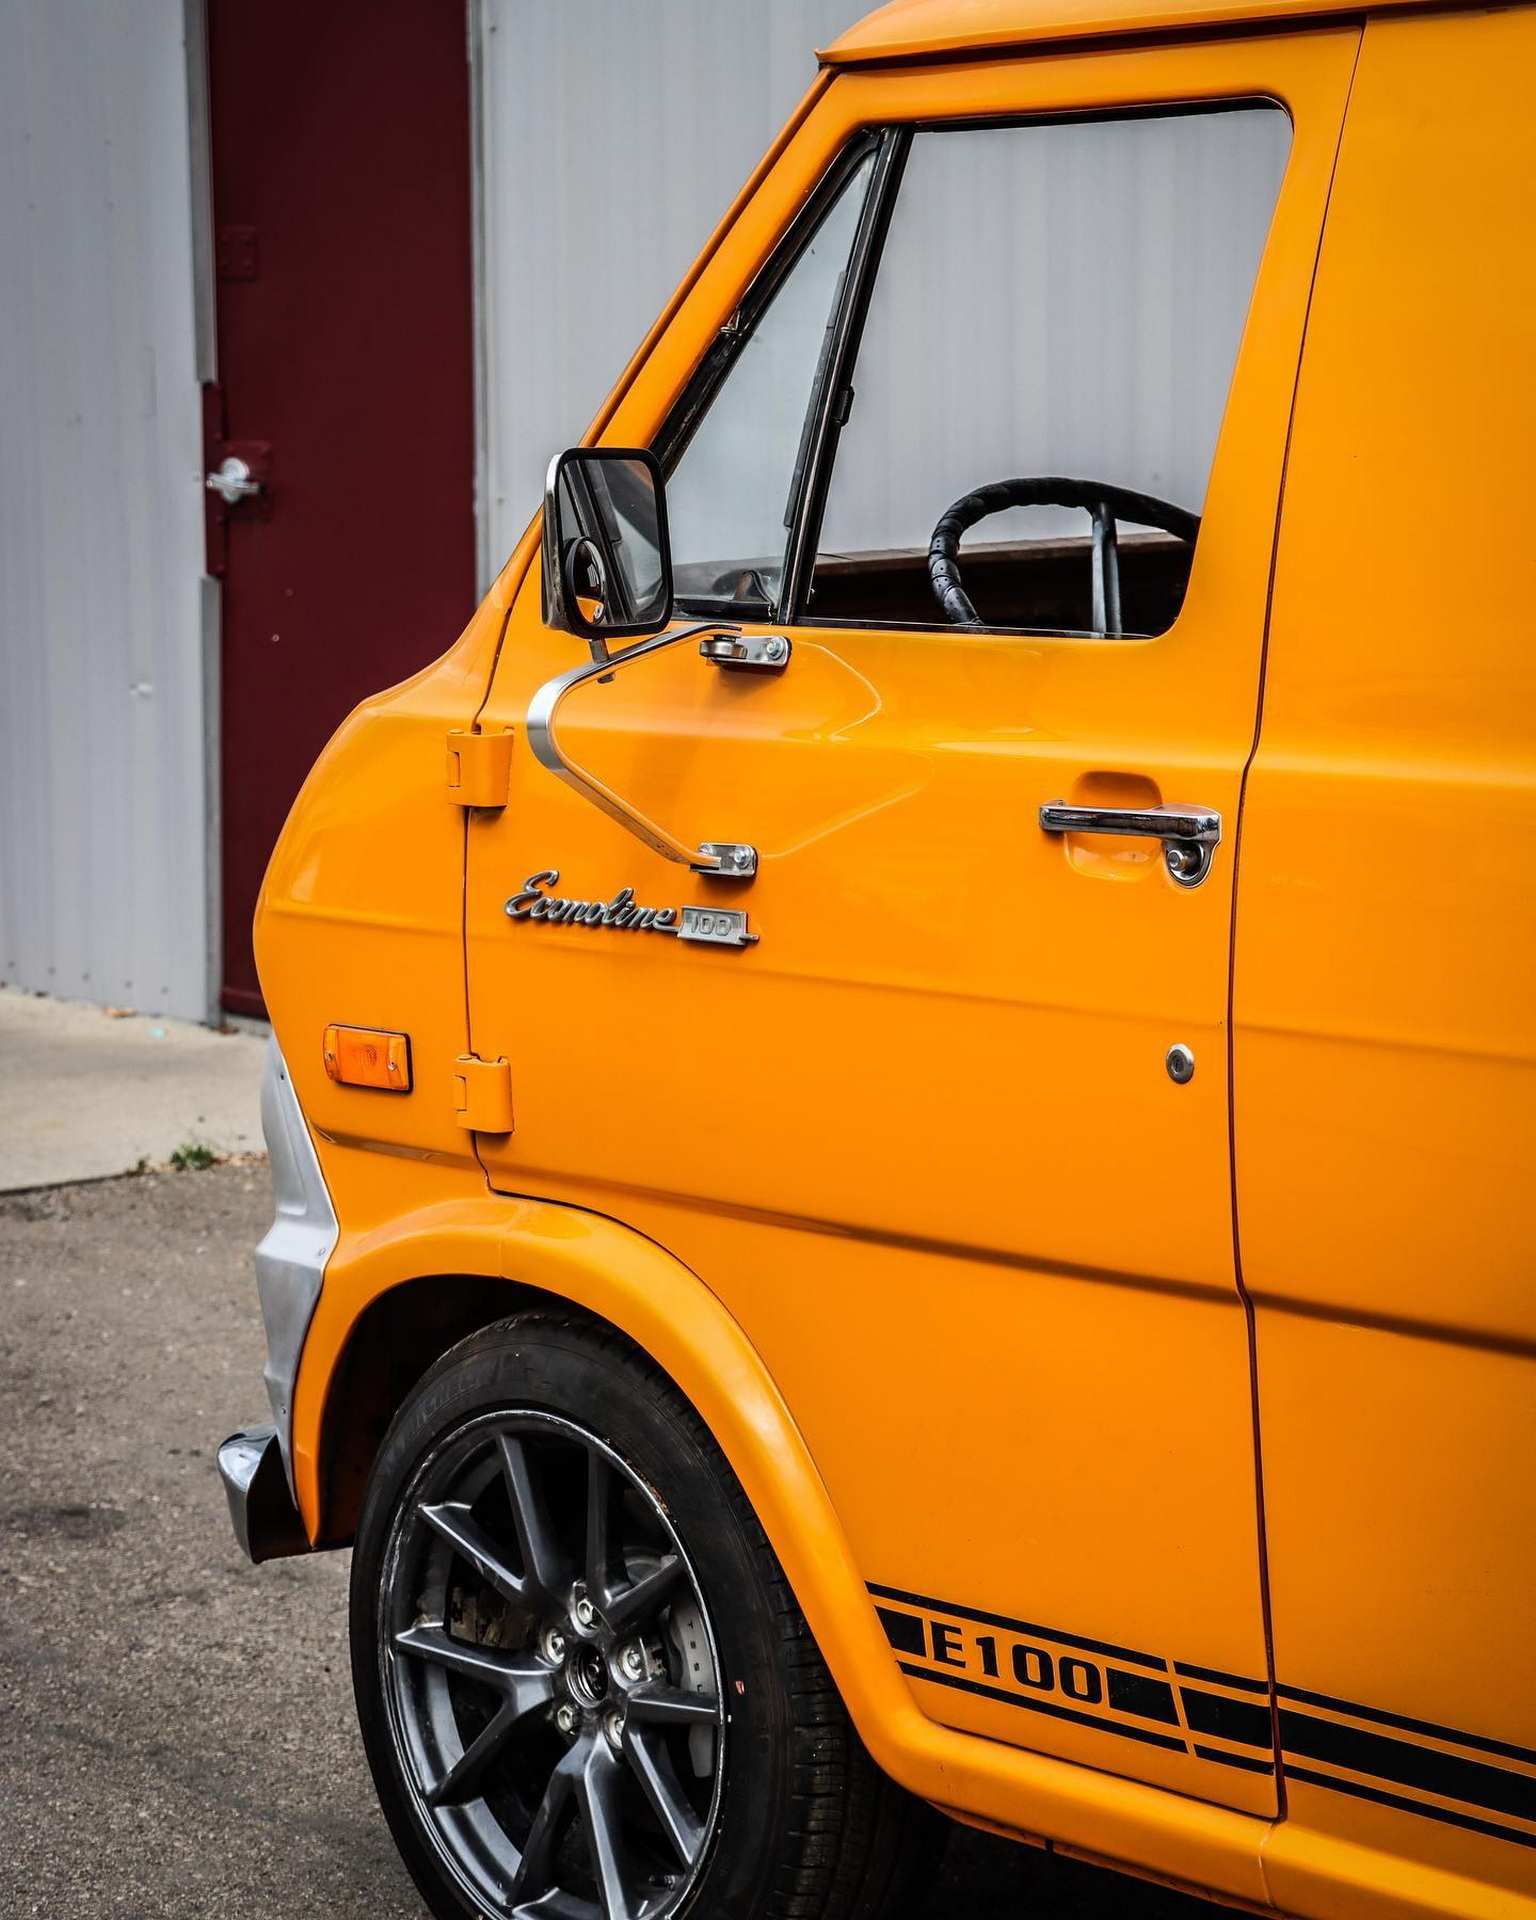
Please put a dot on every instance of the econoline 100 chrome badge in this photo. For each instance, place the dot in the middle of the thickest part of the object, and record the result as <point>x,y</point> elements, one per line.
<point>712,926</point>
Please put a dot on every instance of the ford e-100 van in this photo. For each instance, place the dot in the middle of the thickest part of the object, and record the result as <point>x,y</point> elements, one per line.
<point>901,1088</point>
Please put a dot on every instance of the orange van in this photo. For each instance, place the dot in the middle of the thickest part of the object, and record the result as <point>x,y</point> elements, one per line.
<point>925,1027</point>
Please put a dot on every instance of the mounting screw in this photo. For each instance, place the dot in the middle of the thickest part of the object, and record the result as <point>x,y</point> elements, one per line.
<point>775,649</point>
<point>565,1719</point>
<point>1181,1065</point>
<point>586,1613</point>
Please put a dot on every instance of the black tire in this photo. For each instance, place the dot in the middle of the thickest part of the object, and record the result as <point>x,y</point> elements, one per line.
<point>799,1823</point>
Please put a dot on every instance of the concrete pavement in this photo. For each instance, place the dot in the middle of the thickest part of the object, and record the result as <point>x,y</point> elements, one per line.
<point>85,1094</point>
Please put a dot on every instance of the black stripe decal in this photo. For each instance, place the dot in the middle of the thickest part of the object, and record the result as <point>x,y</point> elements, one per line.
<point>1022,1627</point>
<point>1242,1720</point>
<point>1139,1693</point>
<point>1242,1760</point>
<point>1480,1741</point>
<point>1144,1734</point>
<point>904,1631</point>
<point>1496,1788</point>
<point>1464,1820</point>
<point>1220,1679</point>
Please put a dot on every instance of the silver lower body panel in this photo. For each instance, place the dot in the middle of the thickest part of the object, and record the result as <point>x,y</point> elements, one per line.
<point>291,1258</point>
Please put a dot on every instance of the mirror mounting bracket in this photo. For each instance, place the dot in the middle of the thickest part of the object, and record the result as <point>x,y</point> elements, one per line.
<point>719,859</point>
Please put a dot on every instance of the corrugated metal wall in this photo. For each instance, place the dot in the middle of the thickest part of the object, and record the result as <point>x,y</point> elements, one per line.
<point>103,889</point>
<point>616,132</point>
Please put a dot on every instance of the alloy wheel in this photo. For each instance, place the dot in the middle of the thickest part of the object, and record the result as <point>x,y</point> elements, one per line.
<point>551,1676</point>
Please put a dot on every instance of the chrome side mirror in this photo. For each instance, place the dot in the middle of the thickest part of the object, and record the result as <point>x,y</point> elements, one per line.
<point>607,562</point>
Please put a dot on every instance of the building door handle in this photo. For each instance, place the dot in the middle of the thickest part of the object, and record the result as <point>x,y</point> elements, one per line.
<point>1190,835</point>
<point>233,481</point>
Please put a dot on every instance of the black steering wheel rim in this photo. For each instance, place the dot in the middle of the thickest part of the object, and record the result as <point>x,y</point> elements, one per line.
<point>1046,490</point>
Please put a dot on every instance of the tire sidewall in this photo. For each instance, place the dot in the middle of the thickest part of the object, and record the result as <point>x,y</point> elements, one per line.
<point>543,1365</point>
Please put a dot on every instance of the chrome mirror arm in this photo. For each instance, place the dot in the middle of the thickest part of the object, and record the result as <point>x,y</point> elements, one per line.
<point>724,859</point>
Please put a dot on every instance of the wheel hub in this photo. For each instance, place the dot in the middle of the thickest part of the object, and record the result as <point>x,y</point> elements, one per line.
<point>586,1674</point>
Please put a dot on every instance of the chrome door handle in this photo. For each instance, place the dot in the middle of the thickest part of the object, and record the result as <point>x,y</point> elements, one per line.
<point>1190,835</point>
<point>724,859</point>
<point>233,481</point>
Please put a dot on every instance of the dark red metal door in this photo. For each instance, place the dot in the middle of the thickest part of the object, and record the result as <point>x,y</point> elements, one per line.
<point>341,187</point>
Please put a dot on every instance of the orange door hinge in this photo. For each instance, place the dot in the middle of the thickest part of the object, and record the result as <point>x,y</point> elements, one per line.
<point>482,1094</point>
<point>479,768</point>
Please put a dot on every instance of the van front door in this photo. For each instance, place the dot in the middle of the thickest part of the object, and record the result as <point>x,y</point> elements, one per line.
<point>944,1120</point>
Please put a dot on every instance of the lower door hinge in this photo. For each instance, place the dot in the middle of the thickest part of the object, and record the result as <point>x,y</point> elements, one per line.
<point>482,1094</point>
<point>479,768</point>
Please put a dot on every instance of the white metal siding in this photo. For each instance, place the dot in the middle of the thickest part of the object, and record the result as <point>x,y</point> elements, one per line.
<point>616,133</point>
<point>102,867</point>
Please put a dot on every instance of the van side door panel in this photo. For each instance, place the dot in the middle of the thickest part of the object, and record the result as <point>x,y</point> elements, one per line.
<point>1383,1027</point>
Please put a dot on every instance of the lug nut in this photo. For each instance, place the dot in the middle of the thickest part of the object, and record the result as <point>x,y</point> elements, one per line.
<point>632,1661</point>
<point>613,1726</point>
<point>565,1719</point>
<point>553,1645</point>
<point>586,1613</point>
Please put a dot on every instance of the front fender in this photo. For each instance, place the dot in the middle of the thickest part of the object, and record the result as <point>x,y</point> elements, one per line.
<point>629,1281</point>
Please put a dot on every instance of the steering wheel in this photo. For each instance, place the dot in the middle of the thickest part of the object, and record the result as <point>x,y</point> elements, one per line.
<point>1106,503</point>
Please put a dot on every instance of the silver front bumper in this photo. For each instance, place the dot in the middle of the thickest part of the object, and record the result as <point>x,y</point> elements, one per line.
<point>261,1507</point>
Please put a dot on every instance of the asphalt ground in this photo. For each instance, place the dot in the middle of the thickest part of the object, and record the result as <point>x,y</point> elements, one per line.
<point>176,1731</point>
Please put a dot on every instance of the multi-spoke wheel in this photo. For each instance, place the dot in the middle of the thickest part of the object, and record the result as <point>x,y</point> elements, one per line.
<point>550,1672</point>
<point>557,1588</point>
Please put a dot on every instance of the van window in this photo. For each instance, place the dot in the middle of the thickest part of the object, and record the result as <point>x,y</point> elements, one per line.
<point>1058,305</point>
<point>731,492</point>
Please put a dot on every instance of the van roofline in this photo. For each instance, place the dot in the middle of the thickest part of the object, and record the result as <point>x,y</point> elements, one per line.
<point>910,30</point>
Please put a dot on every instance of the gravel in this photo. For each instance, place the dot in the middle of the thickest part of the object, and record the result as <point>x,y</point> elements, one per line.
<point>176,1731</point>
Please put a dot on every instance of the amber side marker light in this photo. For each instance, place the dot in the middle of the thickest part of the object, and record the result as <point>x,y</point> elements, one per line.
<point>366,1057</point>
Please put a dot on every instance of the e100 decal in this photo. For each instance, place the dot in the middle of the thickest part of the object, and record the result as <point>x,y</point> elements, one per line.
<point>1228,1719</point>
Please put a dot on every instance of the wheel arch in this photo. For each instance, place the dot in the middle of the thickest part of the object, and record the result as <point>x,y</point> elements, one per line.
<point>398,1336</point>
<point>391,1306</point>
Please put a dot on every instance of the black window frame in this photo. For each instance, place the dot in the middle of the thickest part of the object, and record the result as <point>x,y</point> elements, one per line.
<point>888,145</point>
<point>830,405</point>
